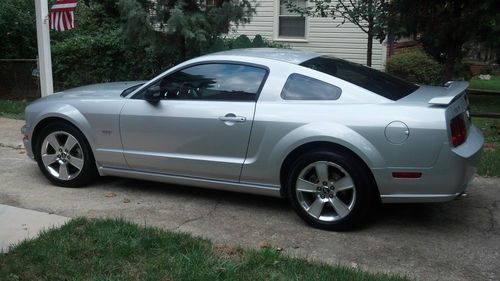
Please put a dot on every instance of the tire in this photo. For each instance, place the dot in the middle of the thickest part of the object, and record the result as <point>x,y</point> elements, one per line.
<point>346,199</point>
<point>71,166</point>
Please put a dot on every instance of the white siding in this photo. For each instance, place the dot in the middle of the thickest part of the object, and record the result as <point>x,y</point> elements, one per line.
<point>323,35</point>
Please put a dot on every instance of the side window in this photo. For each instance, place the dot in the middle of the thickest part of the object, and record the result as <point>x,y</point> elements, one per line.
<point>300,87</point>
<point>215,81</point>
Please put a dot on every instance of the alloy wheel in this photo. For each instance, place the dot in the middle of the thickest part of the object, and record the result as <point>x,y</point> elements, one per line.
<point>326,191</point>
<point>62,155</point>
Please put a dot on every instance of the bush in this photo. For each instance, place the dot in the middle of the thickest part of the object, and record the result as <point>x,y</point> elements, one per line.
<point>242,41</point>
<point>87,59</point>
<point>486,69</point>
<point>462,72</point>
<point>415,66</point>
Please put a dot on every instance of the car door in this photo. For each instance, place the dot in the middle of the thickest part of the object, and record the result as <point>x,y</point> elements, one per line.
<point>201,125</point>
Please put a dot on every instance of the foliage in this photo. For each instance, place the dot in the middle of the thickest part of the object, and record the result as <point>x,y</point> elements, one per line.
<point>371,16</point>
<point>242,41</point>
<point>187,26</point>
<point>109,249</point>
<point>87,59</point>
<point>445,26</point>
<point>136,39</point>
<point>462,72</point>
<point>416,66</point>
<point>17,28</point>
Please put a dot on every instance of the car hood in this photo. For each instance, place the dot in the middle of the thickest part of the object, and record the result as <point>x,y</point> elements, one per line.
<point>96,91</point>
<point>104,89</point>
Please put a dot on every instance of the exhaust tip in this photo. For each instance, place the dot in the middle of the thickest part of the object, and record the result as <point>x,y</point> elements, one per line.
<point>461,195</point>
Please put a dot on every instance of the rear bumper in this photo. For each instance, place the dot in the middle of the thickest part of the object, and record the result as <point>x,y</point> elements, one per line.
<point>447,179</point>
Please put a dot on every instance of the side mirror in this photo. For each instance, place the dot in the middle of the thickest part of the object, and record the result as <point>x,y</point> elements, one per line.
<point>153,95</point>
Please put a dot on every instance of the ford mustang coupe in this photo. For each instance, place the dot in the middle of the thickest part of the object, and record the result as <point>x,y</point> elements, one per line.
<point>331,136</point>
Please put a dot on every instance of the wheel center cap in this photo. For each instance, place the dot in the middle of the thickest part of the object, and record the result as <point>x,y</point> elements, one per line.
<point>326,190</point>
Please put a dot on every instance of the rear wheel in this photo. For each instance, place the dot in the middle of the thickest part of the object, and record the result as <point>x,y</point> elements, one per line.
<point>330,190</point>
<point>64,156</point>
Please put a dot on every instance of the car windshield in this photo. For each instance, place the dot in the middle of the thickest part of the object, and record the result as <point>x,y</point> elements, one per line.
<point>368,78</point>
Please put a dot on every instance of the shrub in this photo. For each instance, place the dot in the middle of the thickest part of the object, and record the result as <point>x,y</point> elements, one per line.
<point>416,66</point>
<point>105,57</point>
<point>462,72</point>
<point>242,41</point>
<point>258,41</point>
<point>486,69</point>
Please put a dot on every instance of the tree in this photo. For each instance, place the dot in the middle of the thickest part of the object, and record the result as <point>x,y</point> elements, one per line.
<point>17,29</point>
<point>371,16</point>
<point>445,26</point>
<point>186,24</point>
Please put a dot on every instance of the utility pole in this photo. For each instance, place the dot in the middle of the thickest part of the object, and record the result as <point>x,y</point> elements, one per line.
<point>43,41</point>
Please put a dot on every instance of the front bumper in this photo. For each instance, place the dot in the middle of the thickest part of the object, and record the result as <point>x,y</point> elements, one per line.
<point>447,179</point>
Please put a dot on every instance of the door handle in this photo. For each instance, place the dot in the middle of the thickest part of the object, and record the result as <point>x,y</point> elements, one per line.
<point>232,118</point>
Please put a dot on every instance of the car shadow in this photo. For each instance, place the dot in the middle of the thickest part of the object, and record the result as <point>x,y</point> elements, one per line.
<point>427,215</point>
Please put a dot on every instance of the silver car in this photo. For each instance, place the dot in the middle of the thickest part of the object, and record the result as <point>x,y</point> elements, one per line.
<point>333,137</point>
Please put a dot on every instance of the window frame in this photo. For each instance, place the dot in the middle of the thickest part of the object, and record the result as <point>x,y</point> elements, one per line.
<point>282,94</point>
<point>139,94</point>
<point>277,16</point>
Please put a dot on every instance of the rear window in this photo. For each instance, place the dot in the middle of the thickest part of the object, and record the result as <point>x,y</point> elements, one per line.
<point>373,80</point>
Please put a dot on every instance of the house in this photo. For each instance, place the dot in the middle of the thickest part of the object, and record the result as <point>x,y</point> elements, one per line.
<point>322,35</point>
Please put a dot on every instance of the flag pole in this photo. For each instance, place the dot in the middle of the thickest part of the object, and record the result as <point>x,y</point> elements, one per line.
<point>43,41</point>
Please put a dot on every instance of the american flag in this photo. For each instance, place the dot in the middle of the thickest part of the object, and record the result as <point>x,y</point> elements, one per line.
<point>62,16</point>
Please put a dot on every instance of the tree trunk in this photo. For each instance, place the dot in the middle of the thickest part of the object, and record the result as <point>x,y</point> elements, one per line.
<point>371,23</point>
<point>369,50</point>
<point>449,66</point>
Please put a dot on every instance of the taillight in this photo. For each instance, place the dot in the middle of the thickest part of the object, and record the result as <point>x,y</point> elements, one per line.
<point>458,130</point>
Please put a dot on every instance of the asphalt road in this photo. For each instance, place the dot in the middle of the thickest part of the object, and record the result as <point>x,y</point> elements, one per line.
<point>459,240</point>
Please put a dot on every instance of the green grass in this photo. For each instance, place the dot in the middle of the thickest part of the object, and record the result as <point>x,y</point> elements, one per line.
<point>12,109</point>
<point>490,159</point>
<point>493,84</point>
<point>101,249</point>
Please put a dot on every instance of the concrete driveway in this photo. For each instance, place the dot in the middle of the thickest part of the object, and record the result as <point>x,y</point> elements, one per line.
<point>459,240</point>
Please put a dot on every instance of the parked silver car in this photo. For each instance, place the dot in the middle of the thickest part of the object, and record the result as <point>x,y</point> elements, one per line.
<point>329,135</point>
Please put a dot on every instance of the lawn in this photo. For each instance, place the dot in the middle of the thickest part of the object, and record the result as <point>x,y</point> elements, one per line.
<point>100,249</point>
<point>12,109</point>
<point>493,84</point>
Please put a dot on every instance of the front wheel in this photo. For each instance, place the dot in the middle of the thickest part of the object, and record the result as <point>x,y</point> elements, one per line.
<point>330,190</point>
<point>64,156</point>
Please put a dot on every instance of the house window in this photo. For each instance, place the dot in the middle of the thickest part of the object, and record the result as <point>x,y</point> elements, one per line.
<point>291,25</point>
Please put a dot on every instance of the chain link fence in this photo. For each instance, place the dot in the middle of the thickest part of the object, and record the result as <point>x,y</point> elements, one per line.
<point>19,79</point>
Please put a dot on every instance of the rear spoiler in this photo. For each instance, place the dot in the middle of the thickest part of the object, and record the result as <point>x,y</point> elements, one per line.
<point>454,89</point>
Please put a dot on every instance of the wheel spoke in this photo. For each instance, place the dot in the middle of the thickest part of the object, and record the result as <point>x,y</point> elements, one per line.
<point>322,171</point>
<point>76,162</point>
<point>63,172</point>
<point>52,140</point>
<point>339,206</point>
<point>48,159</point>
<point>344,183</point>
<point>306,186</point>
<point>70,143</point>
<point>316,208</point>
